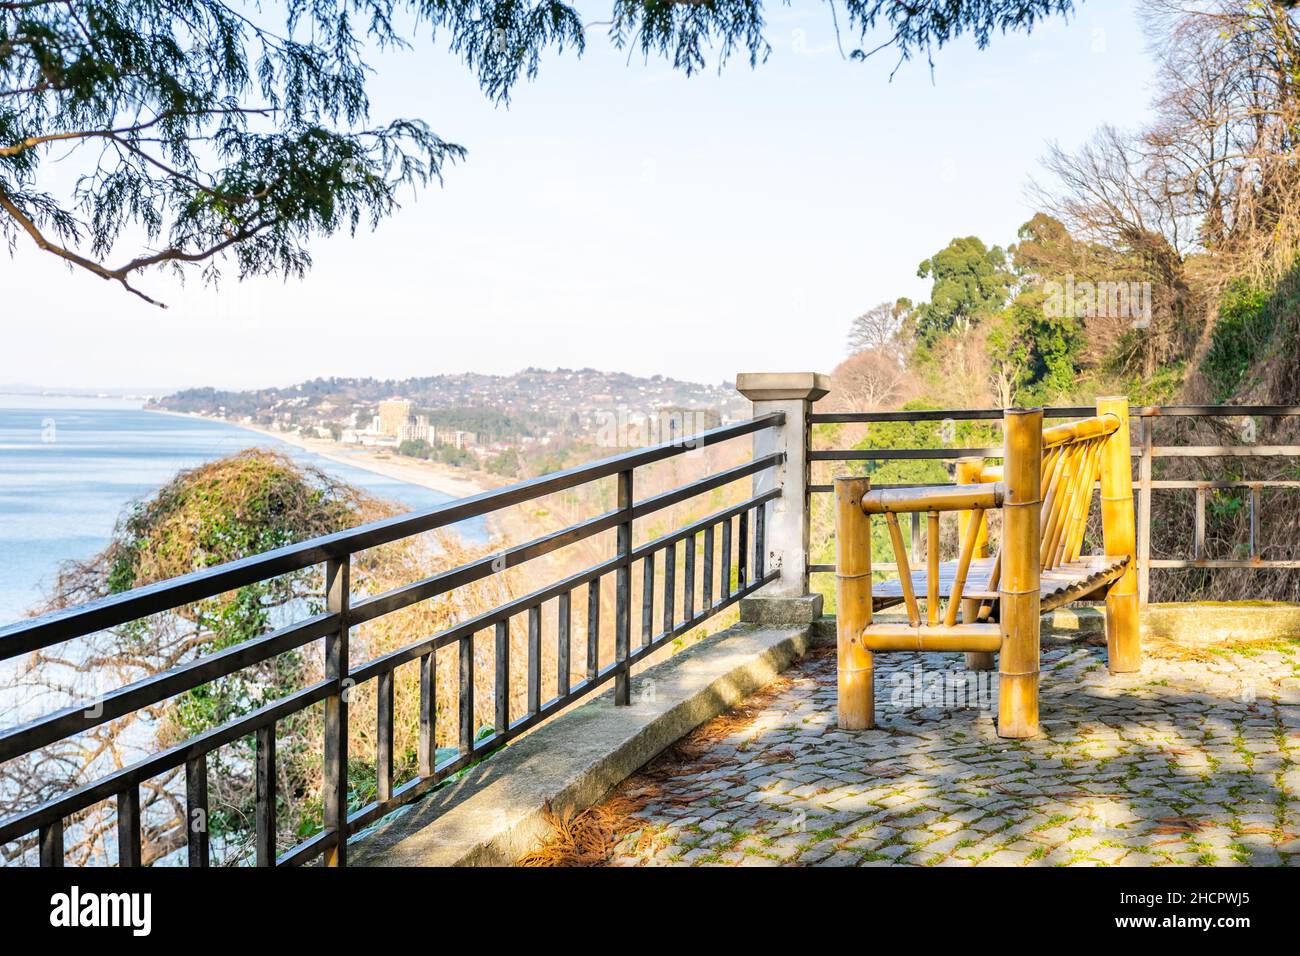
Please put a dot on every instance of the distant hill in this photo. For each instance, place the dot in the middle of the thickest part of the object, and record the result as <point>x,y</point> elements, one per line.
<point>524,402</point>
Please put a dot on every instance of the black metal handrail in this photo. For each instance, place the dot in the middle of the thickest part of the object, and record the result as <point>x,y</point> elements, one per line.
<point>1144,451</point>
<point>341,615</point>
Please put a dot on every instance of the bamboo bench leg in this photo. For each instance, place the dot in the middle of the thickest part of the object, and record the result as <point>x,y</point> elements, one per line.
<point>1123,636</point>
<point>1019,595</point>
<point>976,660</point>
<point>853,605</point>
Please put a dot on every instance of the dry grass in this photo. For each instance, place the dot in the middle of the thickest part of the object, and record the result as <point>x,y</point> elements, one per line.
<point>582,838</point>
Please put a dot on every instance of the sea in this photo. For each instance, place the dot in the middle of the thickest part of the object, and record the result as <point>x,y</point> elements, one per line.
<point>69,467</point>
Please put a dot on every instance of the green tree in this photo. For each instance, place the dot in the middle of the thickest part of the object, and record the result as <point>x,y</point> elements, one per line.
<point>970,280</point>
<point>416,448</point>
<point>203,131</point>
<point>505,464</point>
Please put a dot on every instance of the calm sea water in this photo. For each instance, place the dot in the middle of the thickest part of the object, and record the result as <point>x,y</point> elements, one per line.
<point>68,468</point>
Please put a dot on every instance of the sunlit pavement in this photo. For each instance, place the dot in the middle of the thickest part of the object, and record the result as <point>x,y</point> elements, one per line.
<point>1187,763</point>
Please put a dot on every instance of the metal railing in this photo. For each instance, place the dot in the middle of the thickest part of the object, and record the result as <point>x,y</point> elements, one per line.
<point>1144,452</point>
<point>334,552</point>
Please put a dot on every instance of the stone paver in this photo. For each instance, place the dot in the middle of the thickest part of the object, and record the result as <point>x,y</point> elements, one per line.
<point>1186,763</point>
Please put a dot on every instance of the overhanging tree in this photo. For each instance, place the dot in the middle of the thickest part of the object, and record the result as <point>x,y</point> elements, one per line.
<point>205,134</point>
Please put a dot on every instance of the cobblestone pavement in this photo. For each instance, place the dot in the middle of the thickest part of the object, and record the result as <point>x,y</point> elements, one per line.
<point>1186,763</point>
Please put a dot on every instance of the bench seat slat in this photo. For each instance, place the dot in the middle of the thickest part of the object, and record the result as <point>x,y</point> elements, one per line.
<point>1060,585</point>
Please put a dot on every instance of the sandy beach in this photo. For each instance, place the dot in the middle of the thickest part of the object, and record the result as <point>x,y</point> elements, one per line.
<point>450,481</point>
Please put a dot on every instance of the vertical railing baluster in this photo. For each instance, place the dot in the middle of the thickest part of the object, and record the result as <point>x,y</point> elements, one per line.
<point>51,837</point>
<point>427,744</point>
<point>563,644</point>
<point>648,600</point>
<point>593,628</point>
<point>1147,430</point>
<point>688,579</point>
<point>1254,522</point>
<point>128,827</point>
<point>338,596</point>
<point>916,539</point>
<point>196,810</point>
<point>670,588</point>
<point>760,542</point>
<point>502,693</point>
<point>724,586</point>
<point>384,736</point>
<point>742,551</point>
<point>466,697</point>
<point>623,591</point>
<point>706,597</point>
<point>1198,542</point>
<point>534,658</point>
<point>264,812</point>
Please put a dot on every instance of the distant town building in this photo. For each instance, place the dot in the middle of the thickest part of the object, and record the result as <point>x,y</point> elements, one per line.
<point>394,417</point>
<point>418,428</point>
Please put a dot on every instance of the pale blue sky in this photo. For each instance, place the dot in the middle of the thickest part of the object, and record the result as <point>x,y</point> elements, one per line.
<point>625,217</point>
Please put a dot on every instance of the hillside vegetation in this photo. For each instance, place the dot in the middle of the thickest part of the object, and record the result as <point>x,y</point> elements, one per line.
<point>1161,264</point>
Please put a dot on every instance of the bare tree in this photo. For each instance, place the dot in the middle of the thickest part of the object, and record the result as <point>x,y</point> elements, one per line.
<point>879,328</point>
<point>869,379</point>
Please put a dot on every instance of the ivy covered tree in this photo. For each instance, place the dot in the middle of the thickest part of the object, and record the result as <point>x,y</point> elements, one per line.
<point>207,134</point>
<point>970,280</point>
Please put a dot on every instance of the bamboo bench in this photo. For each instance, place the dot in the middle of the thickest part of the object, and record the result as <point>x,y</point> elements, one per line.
<point>1044,489</point>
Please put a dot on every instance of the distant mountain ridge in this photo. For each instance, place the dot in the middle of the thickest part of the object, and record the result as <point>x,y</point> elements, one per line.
<point>540,396</point>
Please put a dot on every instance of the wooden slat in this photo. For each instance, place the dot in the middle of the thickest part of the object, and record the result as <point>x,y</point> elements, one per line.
<point>502,695</point>
<point>1053,582</point>
<point>196,810</point>
<point>1198,542</point>
<point>963,567</point>
<point>265,806</point>
<point>932,565</point>
<point>51,838</point>
<point>128,827</point>
<point>384,696</point>
<point>466,698</point>
<point>648,600</point>
<point>427,746</point>
<point>564,641</point>
<point>534,659</point>
<point>904,570</point>
<point>593,628</point>
<point>724,583</point>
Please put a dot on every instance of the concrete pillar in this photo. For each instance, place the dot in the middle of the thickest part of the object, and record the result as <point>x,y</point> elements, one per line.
<point>787,517</point>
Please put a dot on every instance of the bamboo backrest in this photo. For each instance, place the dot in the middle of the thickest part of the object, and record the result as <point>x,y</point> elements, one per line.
<point>1071,464</point>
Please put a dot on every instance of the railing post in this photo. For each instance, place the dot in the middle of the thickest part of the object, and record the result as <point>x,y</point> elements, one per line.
<point>855,667</point>
<point>1019,597</point>
<point>623,590</point>
<point>1123,638</point>
<point>786,520</point>
<point>338,590</point>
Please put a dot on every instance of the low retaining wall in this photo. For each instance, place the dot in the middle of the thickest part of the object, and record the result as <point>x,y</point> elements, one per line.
<point>1210,623</point>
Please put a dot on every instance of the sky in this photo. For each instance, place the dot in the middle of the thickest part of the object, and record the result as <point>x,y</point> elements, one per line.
<point>622,216</point>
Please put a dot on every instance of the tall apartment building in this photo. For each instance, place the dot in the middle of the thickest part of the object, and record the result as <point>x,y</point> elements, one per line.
<point>394,415</point>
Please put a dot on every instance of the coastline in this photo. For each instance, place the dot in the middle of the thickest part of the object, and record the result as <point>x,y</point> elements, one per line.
<point>428,474</point>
